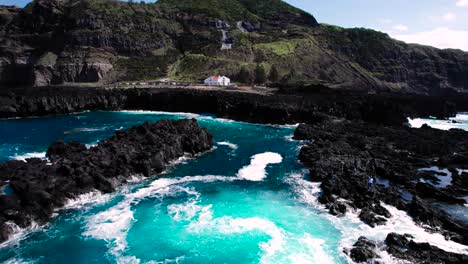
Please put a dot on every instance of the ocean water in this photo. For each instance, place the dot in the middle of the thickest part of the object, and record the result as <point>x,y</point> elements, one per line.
<point>246,201</point>
<point>460,121</point>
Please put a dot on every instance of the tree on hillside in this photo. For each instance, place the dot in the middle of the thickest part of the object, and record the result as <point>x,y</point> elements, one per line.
<point>260,74</point>
<point>244,75</point>
<point>274,74</point>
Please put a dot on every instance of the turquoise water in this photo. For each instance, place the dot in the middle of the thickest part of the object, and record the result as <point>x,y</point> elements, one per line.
<point>212,209</point>
<point>246,201</point>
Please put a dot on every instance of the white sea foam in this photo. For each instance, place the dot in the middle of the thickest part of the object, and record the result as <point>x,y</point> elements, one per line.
<point>228,144</point>
<point>461,117</point>
<point>201,117</point>
<point>86,129</point>
<point>142,112</point>
<point>255,171</point>
<point>113,224</point>
<point>18,233</point>
<point>176,260</point>
<point>439,124</point>
<point>313,252</point>
<point>40,155</point>
<point>352,227</point>
<point>281,247</point>
<point>461,122</point>
<point>17,261</point>
<point>184,212</point>
<point>91,198</point>
<point>136,178</point>
<point>230,225</point>
<point>91,145</point>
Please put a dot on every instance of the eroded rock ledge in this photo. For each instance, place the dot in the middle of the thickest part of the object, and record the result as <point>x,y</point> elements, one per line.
<point>38,186</point>
<point>342,154</point>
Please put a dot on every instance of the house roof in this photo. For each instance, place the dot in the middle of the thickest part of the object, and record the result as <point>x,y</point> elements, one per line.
<point>217,77</point>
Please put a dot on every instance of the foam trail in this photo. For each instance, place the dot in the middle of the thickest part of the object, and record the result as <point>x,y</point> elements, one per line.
<point>91,198</point>
<point>315,252</point>
<point>113,224</point>
<point>282,246</point>
<point>200,117</point>
<point>228,144</point>
<point>142,112</point>
<point>23,157</point>
<point>230,225</point>
<point>256,170</point>
<point>86,129</point>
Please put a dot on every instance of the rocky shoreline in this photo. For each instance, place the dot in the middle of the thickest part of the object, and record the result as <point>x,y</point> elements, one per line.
<point>342,155</point>
<point>281,108</point>
<point>351,136</point>
<point>39,186</point>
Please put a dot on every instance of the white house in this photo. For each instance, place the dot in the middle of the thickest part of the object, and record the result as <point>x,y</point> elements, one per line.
<point>218,81</point>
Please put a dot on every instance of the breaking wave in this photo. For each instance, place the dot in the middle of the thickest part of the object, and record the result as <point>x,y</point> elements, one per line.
<point>228,144</point>
<point>460,122</point>
<point>281,247</point>
<point>92,198</point>
<point>23,157</point>
<point>113,224</point>
<point>255,171</point>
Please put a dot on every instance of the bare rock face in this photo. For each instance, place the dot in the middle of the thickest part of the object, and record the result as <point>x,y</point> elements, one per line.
<point>76,72</point>
<point>57,69</point>
<point>43,76</point>
<point>82,72</point>
<point>146,39</point>
<point>38,187</point>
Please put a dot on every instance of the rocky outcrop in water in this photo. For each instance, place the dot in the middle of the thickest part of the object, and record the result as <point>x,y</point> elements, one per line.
<point>364,250</point>
<point>38,187</point>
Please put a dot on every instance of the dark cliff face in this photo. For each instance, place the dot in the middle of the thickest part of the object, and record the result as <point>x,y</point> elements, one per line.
<point>56,41</point>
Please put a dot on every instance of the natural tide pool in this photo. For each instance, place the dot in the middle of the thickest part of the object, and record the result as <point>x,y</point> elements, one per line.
<point>246,201</point>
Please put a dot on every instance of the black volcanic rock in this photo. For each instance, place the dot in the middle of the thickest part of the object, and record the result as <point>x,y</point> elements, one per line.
<point>342,155</point>
<point>364,250</point>
<point>39,187</point>
<point>382,109</point>
<point>402,247</point>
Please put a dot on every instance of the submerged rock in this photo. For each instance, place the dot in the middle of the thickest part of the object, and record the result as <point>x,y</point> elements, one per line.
<point>364,250</point>
<point>39,187</point>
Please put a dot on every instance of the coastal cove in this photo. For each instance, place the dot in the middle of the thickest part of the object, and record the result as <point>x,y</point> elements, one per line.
<point>200,210</point>
<point>233,132</point>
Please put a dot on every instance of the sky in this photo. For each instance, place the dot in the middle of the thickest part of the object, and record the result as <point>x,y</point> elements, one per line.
<point>439,23</point>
